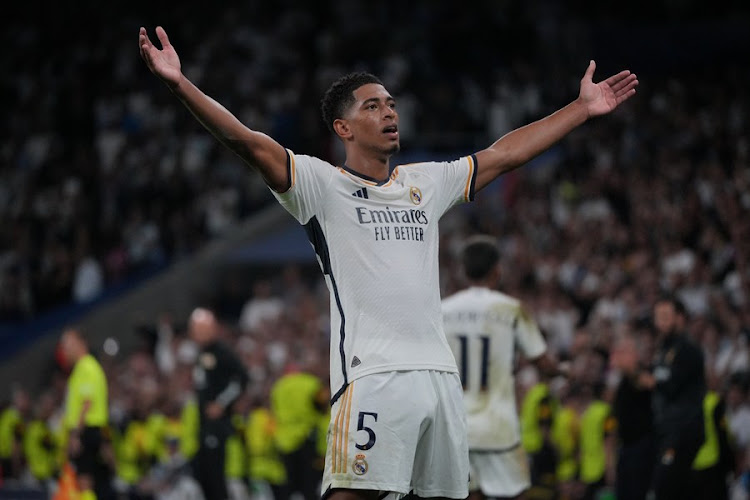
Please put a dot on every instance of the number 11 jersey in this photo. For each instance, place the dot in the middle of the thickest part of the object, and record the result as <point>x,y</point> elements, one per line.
<point>483,328</point>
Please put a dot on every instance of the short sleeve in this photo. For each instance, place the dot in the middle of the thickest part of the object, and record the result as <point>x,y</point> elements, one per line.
<point>528,336</point>
<point>309,181</point>
<point>454,180</point>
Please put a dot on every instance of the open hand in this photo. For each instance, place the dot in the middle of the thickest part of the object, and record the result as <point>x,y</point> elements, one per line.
<point>603,97</point>
<point>163,63</point>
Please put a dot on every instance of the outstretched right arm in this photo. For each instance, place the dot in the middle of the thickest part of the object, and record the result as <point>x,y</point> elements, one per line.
<point>255,148</point>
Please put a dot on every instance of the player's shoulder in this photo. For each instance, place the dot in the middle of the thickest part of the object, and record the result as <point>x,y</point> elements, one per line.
<point>428,167</point>
<point>90,363</point>
<point>307,160</point>
<point>481,297</point>
<point>462,296</point>
<point>505,299</point>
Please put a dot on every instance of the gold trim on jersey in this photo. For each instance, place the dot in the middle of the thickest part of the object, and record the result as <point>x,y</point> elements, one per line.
<point>340,442</point>
<point>365,181</point>
<point>344,462</point>
<point>467,190</point>
<point>292,170</point>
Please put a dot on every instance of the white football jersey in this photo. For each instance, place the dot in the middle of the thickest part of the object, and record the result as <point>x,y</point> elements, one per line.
<point>377,245</point>
<point>483,327</point>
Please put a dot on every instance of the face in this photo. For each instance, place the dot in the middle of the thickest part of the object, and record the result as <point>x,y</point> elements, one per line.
<point>625,356</point>
<point>69,347</point>
<point>372,121</point>
<point>665,318</point>
<point>203,326</point>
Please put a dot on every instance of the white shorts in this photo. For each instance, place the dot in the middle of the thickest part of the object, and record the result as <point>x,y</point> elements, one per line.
<point>399,432</point>
<point>500,473</point>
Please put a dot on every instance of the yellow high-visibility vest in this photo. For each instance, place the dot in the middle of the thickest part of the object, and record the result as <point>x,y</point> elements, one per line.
<point>596,423</point>
<point>708,454</point>
<point>40,447</point>
<point>565,435</point>
<point>532,411</point>
<point>265,464</point>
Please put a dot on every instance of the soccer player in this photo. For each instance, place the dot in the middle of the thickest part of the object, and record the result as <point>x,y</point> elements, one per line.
<point>86,418</point>
<point>397,418</point>
<point>484,327</point>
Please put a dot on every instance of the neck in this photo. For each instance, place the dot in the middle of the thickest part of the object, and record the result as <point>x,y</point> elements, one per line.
<point>483,283</point>
<point>669,337</point>
<point>78,356</point>
<point>376,166</point>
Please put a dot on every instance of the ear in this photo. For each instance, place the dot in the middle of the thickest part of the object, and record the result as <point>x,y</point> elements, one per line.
<point>342,128</point>
<point>497,273</point>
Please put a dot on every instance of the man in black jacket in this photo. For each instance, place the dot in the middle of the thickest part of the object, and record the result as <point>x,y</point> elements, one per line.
<point>632,409</point>
<point>219,378</point>
<point>679,385</point>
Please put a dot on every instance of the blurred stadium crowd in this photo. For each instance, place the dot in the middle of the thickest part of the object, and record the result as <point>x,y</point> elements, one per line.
<point>102,175</point>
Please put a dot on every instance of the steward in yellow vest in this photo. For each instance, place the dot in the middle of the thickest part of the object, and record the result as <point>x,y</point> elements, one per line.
<point>297,401</point>
<point>538,411</point>
<point>265,464</point>
<point>12,428</point>
<point>41,445</point>
<point>715,458</point>
<point>596,441</point>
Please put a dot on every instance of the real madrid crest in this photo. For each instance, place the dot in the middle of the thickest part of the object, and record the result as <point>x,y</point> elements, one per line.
<point>415,195</point>
<point>359,466</point>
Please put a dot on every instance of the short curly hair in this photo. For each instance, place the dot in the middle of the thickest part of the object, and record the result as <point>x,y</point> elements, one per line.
<point>340,95</point>
<point>479,255</point>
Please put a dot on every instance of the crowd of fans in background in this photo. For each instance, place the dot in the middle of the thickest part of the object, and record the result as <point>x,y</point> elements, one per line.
<point>102,176</point>
<point>653,199</point>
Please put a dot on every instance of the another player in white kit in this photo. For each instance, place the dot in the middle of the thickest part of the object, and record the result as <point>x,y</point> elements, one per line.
<point>398,423</point>
<point>485,328</point>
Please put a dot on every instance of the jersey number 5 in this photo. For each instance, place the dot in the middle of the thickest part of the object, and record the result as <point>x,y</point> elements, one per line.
<point>468,350</point>
<point>370,433</point>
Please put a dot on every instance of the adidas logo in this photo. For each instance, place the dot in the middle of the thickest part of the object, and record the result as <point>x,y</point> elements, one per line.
<point>356,362</point>
<point>361,193</point>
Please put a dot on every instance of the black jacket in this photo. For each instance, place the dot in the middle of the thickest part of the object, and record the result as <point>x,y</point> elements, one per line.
<point>680,385</point>
<point>632,409</point>
<point>218,375</point>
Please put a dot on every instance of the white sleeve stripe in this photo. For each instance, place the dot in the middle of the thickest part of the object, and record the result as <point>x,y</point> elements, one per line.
<point>229,394</point>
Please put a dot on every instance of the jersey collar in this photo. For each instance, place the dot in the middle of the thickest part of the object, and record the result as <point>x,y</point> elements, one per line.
<point>367,177</point>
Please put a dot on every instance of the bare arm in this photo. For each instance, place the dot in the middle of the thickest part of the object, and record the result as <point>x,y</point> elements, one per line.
<point>255,148</point>
<point>521,145</point>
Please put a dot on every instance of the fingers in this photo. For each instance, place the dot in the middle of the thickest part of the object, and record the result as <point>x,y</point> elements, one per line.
<point>144,44</point>
<point>143,39</point>
<point>625,82</point>
<point>614,79</point>
<point>589,74</point>
<point>625,96</point>
<point>163,38</point>
<point>626,93</point>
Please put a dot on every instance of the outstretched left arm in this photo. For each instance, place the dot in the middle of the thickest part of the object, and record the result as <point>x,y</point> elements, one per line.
<point>521,145</point>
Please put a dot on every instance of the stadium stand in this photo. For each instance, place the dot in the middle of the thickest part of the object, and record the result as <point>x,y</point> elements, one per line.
<point>119,213</point>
